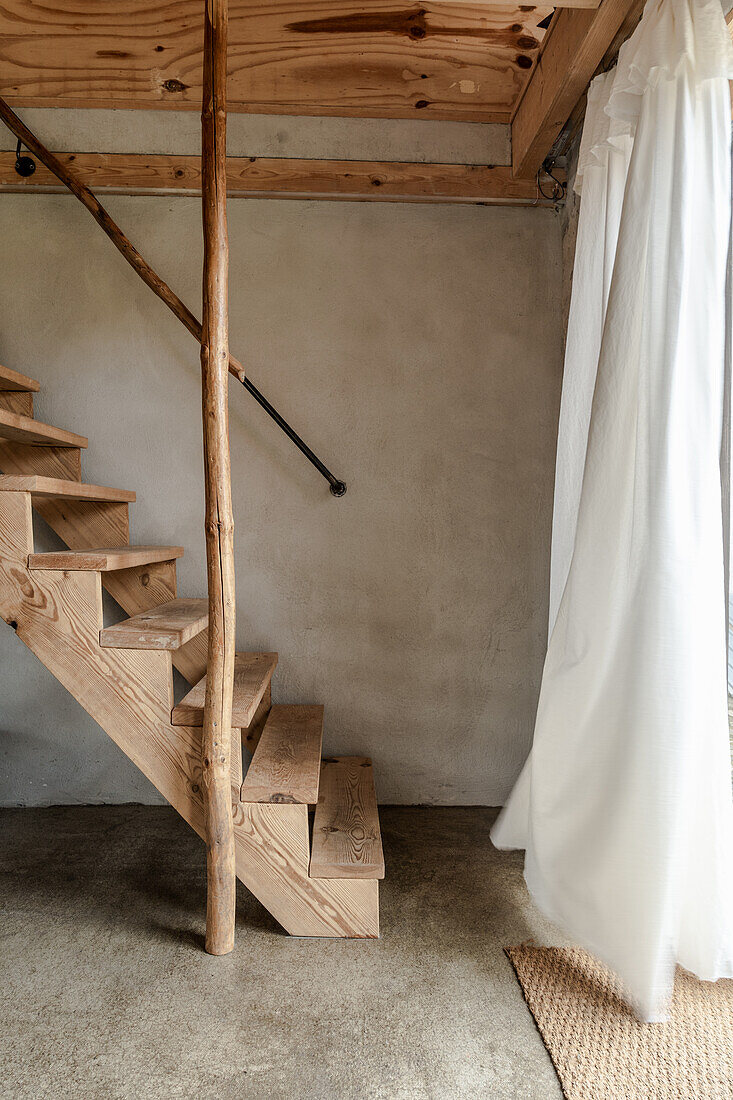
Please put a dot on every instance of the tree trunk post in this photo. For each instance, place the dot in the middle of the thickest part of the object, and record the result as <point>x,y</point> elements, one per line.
<point>216,733</point>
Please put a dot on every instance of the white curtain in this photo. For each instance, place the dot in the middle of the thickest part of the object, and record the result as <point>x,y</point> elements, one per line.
<point>624,805</point>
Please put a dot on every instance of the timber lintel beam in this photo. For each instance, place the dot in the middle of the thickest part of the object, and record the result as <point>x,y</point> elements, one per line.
<point>261,177</point>
<point>574,47</point>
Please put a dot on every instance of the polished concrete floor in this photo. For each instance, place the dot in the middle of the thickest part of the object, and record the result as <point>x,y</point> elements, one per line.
<point>107,993</point>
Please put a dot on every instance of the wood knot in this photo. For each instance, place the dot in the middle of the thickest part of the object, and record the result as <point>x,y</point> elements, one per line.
<point>422,103</point>
<point>524,62</point>
<point>174,85</point>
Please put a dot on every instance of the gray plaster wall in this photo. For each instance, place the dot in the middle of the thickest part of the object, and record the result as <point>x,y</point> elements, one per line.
<point>418,350</point>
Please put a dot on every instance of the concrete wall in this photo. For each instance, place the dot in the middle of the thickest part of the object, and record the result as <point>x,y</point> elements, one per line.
<point>418,349</point>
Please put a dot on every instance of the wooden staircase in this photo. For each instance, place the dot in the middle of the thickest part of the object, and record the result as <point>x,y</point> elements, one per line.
<point>122,675</point>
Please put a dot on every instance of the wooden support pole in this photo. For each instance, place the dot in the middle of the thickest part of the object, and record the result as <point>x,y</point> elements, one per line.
<point>216,733</point>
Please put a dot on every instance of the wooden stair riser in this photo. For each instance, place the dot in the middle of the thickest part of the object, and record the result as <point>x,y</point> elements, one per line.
<point>127,692</point>
<point>16,401</point>
<point>23,458</point>
<point>86,523</point>
<point>252,734</point>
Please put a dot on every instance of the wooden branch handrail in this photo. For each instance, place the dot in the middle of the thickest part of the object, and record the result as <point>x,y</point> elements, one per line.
<point>110,227</point>
<point>153,280</point>
<point>216,734</point>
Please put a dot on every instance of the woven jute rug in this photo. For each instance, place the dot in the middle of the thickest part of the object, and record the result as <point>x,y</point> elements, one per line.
<point>602,1052</point>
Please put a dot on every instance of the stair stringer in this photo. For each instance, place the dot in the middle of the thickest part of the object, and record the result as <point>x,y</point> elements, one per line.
<point>128,693</point>
<point>82,524</point>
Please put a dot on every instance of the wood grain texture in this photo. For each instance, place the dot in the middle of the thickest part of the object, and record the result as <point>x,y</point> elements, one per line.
<point>236,769</point>
<point>347,842</point>
<point>12,380</point>
<point>23,429</point>
<point>253,732</point>
<point>127,692</point>
<point>25,458</point>
<point>81,525</point>
<point>191,658</point>
<point>17,401</point>
<point>573,48</point>
<point>287,762</point>
<point>104,559</point>
<point>89,523</point>
<point>278,177</point>
<point>167,626</point>
<point>53,488</point>
<point>216,737</point>
<point>465,61</point>
<point>272,842</point>
<point>252,674</point>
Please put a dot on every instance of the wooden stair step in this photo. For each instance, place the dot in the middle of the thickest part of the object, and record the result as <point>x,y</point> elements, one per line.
<point>13,380</point>
<point>167,626</point>
<point>347,842</point>
<point>252,674</point>
<point>104,559</point>
<point>24,429</point>
<point>286,765</point>
<point>50,488</point>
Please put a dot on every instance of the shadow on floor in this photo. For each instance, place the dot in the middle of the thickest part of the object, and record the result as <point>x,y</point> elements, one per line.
<point>109,994</point>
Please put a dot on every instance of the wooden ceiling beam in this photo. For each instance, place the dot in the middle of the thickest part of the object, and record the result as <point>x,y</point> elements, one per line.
<point>463,60</point>
<point>273,177</point>
<point>574,47</point>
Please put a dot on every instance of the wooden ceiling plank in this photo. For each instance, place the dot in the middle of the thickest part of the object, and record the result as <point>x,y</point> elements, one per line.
<point>571,53</point>
<point>274,177</point>
<point>465,61</point>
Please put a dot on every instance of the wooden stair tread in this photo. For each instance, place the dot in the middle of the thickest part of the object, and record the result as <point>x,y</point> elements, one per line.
<point>24,429</point>
<point>286,765</point>
<point>13,380</point>
<point>347,842</point>
<point>104,559</point>
<point>167,626</point>
<point>56,487</point>
<point>252,674</point>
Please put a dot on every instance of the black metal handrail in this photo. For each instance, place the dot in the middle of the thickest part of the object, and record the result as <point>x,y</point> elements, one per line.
<point>25,166</point>
<point>338,488</point>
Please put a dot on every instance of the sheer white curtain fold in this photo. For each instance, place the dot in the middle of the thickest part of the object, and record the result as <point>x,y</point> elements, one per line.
<point>624,805</point>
